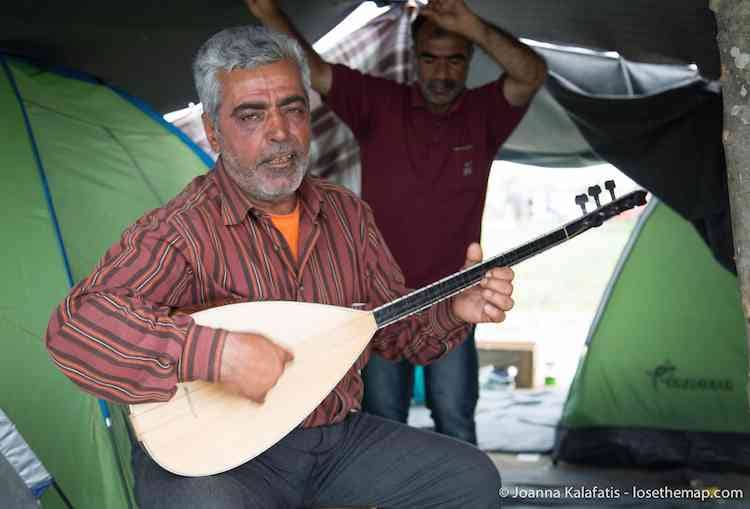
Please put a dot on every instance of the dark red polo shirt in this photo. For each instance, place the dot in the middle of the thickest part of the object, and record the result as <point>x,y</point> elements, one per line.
<point>424,175</point>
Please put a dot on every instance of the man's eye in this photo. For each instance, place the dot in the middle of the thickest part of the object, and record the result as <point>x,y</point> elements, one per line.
<point>428,60</point>
<point>251,117</point>
<point>296,110</point>
<point>456,61</point>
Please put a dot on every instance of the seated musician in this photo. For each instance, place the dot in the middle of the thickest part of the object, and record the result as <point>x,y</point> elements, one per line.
<point>257,228</point>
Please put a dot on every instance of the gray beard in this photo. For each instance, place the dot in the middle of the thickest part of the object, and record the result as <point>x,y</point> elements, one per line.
<point>254,185</point>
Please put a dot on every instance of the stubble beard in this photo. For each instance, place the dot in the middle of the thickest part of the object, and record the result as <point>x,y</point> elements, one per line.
<point>441,92</point>
<point>262,182</point>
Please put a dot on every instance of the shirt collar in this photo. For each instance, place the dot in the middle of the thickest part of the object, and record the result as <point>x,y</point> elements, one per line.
<point>235,206</point>
<point>418,100</point>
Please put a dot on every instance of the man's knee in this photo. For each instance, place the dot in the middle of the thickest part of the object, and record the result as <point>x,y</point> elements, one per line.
<point>190,492</point>
<point>479,476</point>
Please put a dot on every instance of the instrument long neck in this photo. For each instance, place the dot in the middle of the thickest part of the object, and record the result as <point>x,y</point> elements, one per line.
<point>423,298</point>
<point>432,294</point>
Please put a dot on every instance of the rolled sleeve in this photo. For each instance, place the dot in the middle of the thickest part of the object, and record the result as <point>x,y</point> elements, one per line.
<point>201,354</point>
<point>115,335</point>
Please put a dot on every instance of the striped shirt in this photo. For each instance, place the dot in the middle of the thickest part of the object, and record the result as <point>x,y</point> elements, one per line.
<point>119,336</point>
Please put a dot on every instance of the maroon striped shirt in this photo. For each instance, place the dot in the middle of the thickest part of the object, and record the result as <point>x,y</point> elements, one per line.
<point>117,334</point>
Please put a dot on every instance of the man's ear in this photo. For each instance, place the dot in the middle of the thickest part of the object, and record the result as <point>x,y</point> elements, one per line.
<point>211,133</point>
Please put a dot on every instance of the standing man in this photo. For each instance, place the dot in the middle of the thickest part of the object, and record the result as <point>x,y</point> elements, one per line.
<point>426,152</point>
<point>257,228</point>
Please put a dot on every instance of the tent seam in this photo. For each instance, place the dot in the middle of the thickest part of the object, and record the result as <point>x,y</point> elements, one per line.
<point>40,169</point>
<point>133,160</point>
<point>81,120</point>
<point>143,107</point>
<point>617,272</point>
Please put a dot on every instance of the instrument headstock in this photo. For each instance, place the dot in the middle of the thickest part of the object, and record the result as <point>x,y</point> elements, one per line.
<point>615,207</point>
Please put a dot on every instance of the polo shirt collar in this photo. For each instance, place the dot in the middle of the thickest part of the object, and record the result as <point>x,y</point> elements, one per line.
<point>235,206</point>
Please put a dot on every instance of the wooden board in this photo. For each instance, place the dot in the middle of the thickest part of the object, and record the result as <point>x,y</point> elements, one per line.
<point>204,430</point>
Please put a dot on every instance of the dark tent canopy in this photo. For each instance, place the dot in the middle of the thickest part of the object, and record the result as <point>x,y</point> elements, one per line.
<point>141,45</point>
<point>594,107</point>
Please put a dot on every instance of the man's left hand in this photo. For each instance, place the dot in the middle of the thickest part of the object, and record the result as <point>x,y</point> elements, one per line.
<point>490,299</point>
<point>452,15</point>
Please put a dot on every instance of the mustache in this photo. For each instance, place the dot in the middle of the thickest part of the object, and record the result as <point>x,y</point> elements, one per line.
<point>446,85</point>
<point>280,150</point>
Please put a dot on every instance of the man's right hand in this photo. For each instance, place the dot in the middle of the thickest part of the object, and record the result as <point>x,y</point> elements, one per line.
<point>264,10</point>
<point>252,364</point>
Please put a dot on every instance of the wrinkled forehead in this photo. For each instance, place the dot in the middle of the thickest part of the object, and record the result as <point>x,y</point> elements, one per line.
<point>276,79</point>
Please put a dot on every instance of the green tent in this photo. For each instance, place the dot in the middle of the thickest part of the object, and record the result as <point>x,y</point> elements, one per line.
<point>663,380</point>
<point>81,162</point>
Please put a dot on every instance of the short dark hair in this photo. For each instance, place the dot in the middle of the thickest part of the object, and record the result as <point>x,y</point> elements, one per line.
<point>420,21</point>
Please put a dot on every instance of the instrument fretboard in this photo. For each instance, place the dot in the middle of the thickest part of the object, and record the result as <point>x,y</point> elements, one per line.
<point>440,290</point>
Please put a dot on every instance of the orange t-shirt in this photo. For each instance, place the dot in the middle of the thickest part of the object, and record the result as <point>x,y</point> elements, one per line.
<point>288,225</point>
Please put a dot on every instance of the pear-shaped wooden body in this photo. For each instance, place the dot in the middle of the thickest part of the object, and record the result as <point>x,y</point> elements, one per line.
<point>204,430</point>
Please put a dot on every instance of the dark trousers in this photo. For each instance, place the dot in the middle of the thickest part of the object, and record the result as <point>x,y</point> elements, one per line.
<point>451,390</point>
<point>363,461</point>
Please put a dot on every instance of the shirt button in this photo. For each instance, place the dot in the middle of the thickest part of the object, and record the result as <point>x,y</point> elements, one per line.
<point>275,247</point>
<point>301,288</point>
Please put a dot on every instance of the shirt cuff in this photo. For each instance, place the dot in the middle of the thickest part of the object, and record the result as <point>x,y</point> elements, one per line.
<point>201,354</point>
<point>445,320</point>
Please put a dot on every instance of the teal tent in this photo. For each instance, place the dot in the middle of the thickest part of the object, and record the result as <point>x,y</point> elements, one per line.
<point>664,376</point>
<point>80,162</point>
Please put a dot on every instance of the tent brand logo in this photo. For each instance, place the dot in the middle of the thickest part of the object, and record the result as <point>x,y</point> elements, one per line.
<point>664,374</point>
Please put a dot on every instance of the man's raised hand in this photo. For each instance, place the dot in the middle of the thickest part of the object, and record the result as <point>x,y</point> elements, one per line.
<point>262,9</point>
<point>454,16</point>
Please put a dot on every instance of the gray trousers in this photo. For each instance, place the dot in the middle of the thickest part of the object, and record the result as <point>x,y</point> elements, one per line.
<point>363,461</point>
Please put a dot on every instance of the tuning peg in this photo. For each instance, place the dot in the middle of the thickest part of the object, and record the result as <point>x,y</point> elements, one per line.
<point>581,200</point>
<point>609,185</point>
<point>594,192</point>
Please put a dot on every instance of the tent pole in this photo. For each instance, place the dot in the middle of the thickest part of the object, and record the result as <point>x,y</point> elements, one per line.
<point>733,17</point>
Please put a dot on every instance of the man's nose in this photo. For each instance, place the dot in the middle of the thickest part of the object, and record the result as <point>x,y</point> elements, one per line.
<point>277,127</point>
<point>441,69</point>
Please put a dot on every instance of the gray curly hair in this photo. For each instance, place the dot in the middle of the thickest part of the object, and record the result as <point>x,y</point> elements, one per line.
<point>245,47</point>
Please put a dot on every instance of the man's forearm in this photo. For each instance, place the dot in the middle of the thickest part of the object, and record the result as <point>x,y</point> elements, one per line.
<point>120,349</point>
<point>520,62</point>
<point>320,70</point>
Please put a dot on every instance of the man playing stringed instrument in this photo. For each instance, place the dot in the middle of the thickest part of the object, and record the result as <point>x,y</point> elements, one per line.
<point>257,228</point>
